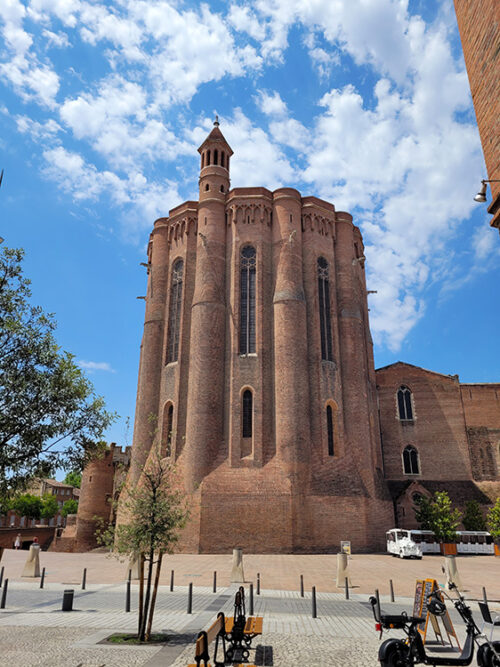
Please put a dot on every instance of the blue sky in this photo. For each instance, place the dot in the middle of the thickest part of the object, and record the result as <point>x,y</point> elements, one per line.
<point>365,103</point>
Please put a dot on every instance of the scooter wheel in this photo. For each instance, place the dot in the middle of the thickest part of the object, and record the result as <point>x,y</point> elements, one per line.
<point>394,654</point>
<point>486,657</point>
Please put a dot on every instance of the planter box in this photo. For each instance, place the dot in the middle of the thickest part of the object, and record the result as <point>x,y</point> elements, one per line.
<point>449,549</point>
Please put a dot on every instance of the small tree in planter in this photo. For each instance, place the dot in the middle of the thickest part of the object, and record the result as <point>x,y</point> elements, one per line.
<point>473,517</point>
<point>156,512</point>
<point>493,523</point>
<point>438,515</point>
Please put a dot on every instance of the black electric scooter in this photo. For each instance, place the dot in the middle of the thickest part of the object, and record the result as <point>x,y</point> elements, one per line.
<point>411,651</point>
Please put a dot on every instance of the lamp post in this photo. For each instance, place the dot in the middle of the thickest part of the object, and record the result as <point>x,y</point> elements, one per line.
<point>481,195</point>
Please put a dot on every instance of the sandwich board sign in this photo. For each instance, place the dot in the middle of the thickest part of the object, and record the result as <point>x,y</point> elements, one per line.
<point>423,588</point>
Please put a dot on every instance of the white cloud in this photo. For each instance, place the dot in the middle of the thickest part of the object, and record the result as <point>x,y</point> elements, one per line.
<point>92,366</point>
<point>271,104</point>
<point>59,39</point>
<point>244,20</point>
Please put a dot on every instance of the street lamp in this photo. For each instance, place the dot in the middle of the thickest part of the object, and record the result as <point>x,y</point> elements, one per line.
<point>481,195</point>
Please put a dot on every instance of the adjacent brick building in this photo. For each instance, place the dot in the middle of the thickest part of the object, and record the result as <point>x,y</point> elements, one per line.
<point>479,26</point>
<point>257,363</point>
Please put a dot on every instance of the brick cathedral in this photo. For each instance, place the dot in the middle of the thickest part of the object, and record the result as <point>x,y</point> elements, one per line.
<point>257,361</point>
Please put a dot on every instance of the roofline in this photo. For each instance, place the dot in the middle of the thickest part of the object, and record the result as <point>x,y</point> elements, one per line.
<point>421,368</point>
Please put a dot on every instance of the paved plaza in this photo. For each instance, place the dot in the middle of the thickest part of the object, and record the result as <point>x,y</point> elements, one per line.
<point>34,630</point>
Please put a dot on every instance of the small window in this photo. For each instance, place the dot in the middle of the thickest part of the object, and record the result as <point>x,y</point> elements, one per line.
<point>207,187</point>
<point>222,159</point>
<point>208,158</point>
<point>202,160</point>
<point>405,404</point>
<point>216,156</point>
<point>410,461</point>
<point>247,413</point>
<point>222,188</point>
<point>329,429</point>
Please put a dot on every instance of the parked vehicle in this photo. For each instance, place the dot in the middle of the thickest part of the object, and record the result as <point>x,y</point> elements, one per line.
<point>413,543</point>
<point>411,651</point>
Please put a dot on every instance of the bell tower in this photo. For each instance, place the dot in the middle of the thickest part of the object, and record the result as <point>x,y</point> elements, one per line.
<point>205,423</point>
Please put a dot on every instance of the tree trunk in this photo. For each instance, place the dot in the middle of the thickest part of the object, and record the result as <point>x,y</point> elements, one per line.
<point>153,599</point>
<point>142,635</point>
<point>141,592</point>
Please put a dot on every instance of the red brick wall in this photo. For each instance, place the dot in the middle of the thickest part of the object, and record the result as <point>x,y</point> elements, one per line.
<point>479,25</point>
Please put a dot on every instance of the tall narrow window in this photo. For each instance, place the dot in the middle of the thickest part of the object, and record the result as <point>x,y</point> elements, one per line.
<point>324,310</point>
<point>222,159</point>
<point>404,404</point>
<point>329,429</point>
<point>247,300</point>
<point>216,156</point>
<point>168,420</point>
<point>247,414</point>
<point>174,318</point>
<point>410,461</point>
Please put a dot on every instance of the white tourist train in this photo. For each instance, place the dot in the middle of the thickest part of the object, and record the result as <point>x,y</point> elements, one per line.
<point>414,543</point>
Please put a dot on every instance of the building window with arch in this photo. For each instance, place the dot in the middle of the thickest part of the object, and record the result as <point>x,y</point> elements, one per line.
<point>330,430</point>
<point>324,310</point>
<point>405,409</point>
<point>168,421</point>
<point>174,316</point>
<point>247,420</point>
<point>248,261</point>
<point>411,464</point>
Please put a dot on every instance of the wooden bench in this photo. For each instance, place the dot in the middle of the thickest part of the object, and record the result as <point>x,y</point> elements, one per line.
<point>239,629</point>
<point>215,632</point>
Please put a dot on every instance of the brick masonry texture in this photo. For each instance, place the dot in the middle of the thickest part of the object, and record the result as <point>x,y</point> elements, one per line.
<point>479,26</point>
<point>280,490</point>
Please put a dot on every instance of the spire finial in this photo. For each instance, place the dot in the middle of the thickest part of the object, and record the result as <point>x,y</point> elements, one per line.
<point>216,121</point>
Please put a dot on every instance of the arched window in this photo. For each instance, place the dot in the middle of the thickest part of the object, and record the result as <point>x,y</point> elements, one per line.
<point>329,430</point>
<point>222,158</point>
<point>404,403</point>
<point>202,160</point>
<point>324,310</point>
<point>247,299</point>
<point>208,158</point>
<point>174,316</point>
<point>247,414</point>
<point>410,461</point>
<point>207,187</point>
<point>168,421</point>
<point>216,156</point>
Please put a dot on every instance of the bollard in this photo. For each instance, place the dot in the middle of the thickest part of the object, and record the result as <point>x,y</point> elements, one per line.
<point>127,597</point>
<point>84,578</point>
<point>215,582</point>
<point>4,594</point>
<point>172,580</point>
<point>485,597</point>
<point>1,575</point>
<point>392,590</point>
<point>346,588</point>
<point>190,599</point>
<point>314,610</point>
<point>301,585</point>
<point>251,599</point>
<point>377,596</point>
<point>258,583</point>
<point>130,575</point>
<point>67,603</point>
<point>42,580</point>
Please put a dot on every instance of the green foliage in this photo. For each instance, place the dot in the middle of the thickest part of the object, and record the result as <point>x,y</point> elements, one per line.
<point>473,517</point>
<point>69,507</point>
<point>424,513</point>
<point>493,520</point>
<point>74,478</point>
<point>50,416</point>
<point>156,511</point>
<point>28,505</point>
<point>437,514</point>
<point>50,506</point>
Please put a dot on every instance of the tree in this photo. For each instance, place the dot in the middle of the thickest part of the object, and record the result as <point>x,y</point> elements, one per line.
<point>74,478</point>
<point>50,506</point>
<point>438,515</point>
<point>473,518</point>
<point>69,507</point>
<point>423,512</point>
<point>27,505</point>
<point>493,520</point>
<point>156,512</point>
<point>50,416</point>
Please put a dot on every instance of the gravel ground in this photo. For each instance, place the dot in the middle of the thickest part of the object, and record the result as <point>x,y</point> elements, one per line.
<point>55,647</point>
